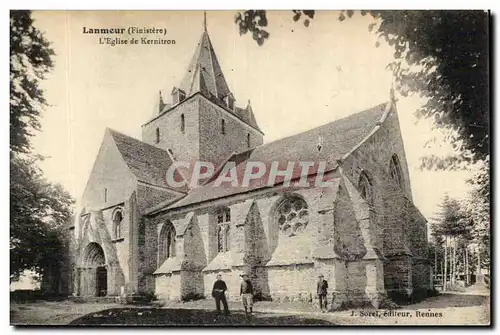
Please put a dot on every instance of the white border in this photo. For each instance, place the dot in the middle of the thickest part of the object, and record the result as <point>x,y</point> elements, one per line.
<point>193,5</point>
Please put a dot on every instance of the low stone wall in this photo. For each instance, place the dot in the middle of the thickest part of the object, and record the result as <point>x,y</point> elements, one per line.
<point>168,286</point>
<point>291,282</point>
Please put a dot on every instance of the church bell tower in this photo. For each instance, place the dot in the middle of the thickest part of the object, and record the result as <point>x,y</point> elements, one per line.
<point>202,122</point>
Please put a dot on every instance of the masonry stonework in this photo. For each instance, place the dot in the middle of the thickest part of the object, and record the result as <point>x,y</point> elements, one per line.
<point>362,232</point>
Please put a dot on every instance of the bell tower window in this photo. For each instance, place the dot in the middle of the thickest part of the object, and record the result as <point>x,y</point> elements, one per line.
<point>157,135</point>
<point>229,100</point>
<point>182,96</point>
<point>183,123</point>
<point>178,95</point>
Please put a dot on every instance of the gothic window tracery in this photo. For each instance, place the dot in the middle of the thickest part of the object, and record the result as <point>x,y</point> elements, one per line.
<point>395,171</point>
<point>223,229</point>
<point>167,242</point>
<point>365,188</point>
<point>292,215</point>
<point>117,224</point>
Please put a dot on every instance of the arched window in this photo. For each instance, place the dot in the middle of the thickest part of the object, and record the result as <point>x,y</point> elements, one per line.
<point>220,239</point>
<point>157,135</point>
<point>167,242</point>
<point>223,230</point>
<point>365,188</point>
<point>395,171</point>
<point>292,215</point>
<point>117,224</point>
<point>223,127</point>
<point>183,123</point>
<point>248,140</point>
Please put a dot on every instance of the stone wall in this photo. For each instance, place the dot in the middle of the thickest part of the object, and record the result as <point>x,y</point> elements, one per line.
<point>361,250</point>
<point>95,230</point>
<point>292,282</point>
<point>167,286</point>
<point>216,146</point>
<point>109,173</point>
<point>149,196</point>
<point>202,138</point>
<point>349,242</point>
<point>400,231</point>
<point>184,144</point>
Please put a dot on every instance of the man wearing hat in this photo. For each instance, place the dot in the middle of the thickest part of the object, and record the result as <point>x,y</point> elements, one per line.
<point>246,292</point>
<point>322,292</point>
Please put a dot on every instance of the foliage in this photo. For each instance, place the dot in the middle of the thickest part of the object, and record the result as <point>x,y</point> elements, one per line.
<point>441,55</point>
<point>30,61</point>
<point>38,212</point>
<point>38,208</point>
<point>451,220</point>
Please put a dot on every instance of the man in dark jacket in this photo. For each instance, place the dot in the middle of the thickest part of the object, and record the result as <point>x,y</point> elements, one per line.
<point>322,290</point>
<point>219,294</point>
<point>246,292</point>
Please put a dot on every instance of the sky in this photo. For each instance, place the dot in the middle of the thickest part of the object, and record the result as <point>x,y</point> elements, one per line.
<point>302,77</point>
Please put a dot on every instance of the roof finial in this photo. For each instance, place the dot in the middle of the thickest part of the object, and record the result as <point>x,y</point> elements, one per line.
<point>392,93</point>
<point>205,21</point>
<point>161,104</point>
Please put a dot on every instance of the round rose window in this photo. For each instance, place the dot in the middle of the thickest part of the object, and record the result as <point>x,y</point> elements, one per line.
<point>293,216</point>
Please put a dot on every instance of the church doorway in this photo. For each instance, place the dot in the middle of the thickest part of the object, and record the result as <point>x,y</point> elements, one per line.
<point>102,281</point>
<point>94,272</point>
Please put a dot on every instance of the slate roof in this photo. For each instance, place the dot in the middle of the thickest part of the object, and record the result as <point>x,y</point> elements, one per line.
<point>338,138</point>
<point>204,73</point>
<point>247,115</point>
<point>148,163</point>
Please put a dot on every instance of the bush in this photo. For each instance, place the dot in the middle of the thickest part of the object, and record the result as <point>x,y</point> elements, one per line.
<point>140,298</point>
<point>192,297</point>
<point>432,292</point>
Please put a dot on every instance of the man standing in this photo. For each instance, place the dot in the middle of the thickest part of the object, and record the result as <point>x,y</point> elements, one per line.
<point>219,294</point>
<point>322,293</point>
<point>246,292</point>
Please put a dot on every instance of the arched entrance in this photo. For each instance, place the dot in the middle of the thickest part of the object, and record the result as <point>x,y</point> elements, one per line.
<point>94,280</point>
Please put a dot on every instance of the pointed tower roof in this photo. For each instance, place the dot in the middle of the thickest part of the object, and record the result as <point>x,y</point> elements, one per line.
<point>160,106</point>
<point>204,73</point>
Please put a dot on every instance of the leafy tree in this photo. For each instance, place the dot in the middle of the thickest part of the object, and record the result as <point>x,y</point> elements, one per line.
<point>477,210</point>
<point>38,208</point>
<point>30,61</point>
<point>441,55</point>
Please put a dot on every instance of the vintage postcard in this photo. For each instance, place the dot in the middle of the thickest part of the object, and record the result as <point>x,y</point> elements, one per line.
<point>249,168</point>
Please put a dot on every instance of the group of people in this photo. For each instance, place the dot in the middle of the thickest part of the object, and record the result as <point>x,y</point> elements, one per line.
<point>246,294</point>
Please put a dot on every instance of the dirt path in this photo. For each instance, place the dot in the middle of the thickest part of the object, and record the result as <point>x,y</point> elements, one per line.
<point>471,307</point>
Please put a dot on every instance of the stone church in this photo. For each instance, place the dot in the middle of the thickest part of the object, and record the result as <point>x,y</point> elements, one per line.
<point>135,234</point>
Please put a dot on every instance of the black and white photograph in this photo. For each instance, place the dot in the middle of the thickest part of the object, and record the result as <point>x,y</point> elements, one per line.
<point>277,168</point>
